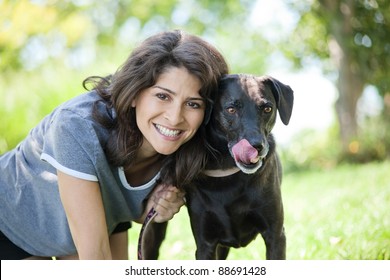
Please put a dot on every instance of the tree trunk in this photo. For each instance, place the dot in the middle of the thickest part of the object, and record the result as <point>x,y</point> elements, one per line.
<point>350,89</point>
<point>386,110</point>
<point>350,83</point>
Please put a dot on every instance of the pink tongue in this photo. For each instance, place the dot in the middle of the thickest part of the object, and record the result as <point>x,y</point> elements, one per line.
<point>244,152</point>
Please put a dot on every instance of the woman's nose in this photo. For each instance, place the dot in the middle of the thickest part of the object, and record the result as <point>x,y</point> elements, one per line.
<point>174,114</point>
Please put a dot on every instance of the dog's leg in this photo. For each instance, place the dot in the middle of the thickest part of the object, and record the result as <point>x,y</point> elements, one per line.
<point>275,242</point>
<point>222,252</point>
<point>206,251</point>
<point>206,226</point>
<point>153,240</point>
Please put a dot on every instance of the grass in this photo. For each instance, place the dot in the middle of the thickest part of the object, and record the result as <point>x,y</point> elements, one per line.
<point>338,214</point>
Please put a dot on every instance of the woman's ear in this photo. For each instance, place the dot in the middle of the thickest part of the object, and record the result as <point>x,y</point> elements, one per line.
<point>134,103</point>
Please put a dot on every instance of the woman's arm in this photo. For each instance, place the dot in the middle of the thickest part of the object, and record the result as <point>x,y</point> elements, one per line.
<point>84,209</point>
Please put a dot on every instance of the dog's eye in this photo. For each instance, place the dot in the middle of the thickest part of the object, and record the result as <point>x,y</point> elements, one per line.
<point>231,110</point>
<point>267,109</point>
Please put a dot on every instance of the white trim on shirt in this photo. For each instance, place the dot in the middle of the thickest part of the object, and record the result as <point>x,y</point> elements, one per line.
<point>123,179</point>
<point>67,170</point>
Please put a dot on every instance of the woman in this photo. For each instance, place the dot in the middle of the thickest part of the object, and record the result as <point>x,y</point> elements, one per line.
<point>106,157</point>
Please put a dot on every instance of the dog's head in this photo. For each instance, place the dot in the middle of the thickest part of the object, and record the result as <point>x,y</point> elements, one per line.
<point>245,114</point>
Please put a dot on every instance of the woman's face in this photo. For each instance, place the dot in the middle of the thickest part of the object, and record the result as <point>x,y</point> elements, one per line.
<point>170,112</point>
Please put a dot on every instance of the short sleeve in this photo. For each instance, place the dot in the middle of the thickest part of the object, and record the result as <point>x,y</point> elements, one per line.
<point>70,144</point>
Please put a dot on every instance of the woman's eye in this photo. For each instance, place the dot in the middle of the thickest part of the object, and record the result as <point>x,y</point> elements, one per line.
<point>162,96</point>
<point>193,105</point>
<point>267,109</point>
<point>231,110</point>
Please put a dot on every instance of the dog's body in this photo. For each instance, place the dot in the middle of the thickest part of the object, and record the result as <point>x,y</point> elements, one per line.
<point>239,196</point>
<point>230,211</point>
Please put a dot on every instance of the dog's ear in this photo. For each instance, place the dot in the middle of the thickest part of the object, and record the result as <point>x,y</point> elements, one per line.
<point>284,97</point>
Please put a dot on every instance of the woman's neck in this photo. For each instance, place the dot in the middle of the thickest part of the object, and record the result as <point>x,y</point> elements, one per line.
<point>143,169</point>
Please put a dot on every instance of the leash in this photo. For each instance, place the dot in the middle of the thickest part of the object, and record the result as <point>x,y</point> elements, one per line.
<point>149,218</point>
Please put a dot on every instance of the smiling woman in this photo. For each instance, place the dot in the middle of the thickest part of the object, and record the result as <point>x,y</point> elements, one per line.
<point>103,159</point>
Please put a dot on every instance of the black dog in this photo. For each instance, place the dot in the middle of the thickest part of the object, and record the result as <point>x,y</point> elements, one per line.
<point>239,195</point>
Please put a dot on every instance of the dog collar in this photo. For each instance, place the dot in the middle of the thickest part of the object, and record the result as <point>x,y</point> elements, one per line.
<point>221,172</point>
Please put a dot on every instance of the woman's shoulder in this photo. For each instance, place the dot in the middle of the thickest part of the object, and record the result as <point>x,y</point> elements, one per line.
<point>83,106</point>
<point>71,132</point>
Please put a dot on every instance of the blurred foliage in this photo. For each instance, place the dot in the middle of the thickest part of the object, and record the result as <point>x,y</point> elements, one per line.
<point>27,26</point>
<point>350,40</point>
<point>318,150</point>
<point>26,99</point>
<point>73,28</point>
<point>372,143</point>
<point>367,41</point>
<point>311,150</point>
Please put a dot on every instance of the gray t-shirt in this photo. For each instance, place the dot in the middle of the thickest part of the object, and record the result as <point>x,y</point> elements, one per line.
<point>70,140</point>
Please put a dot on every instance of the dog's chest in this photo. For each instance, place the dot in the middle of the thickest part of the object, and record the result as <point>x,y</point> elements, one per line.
<point>244,221</point>
<point>240,215</point>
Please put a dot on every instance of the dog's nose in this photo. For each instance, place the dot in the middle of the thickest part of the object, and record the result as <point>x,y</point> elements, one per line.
<point>258,146</point>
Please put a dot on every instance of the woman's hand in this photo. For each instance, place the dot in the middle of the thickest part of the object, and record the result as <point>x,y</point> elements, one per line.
<point>166,200</point>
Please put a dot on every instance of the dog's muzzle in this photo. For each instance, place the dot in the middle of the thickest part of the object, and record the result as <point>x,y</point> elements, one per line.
<point>247,157</point>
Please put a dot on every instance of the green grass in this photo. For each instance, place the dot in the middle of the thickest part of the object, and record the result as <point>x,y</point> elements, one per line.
<point>335,214</point>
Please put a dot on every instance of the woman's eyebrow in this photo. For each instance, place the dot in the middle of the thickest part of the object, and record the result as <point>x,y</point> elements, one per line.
<point>166,89</point>
<point>196,98</point>
<point>174,93</point>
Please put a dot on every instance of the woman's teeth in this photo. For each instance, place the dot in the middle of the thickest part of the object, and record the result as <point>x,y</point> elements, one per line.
<point>166,131</point>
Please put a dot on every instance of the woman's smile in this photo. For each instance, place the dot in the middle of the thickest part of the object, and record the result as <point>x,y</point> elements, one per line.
<point>171,133</point>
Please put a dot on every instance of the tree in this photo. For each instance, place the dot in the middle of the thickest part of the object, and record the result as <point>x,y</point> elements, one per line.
<point>349,37</point>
